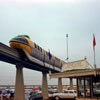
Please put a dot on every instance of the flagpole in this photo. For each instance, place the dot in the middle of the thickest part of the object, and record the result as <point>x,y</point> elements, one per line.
<point>67,46</point>
<point>94,60</point>
<point>94,55</point>
<point>94,43</point>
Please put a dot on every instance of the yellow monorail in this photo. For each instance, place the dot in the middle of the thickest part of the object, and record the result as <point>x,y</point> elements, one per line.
<point>33,50</point>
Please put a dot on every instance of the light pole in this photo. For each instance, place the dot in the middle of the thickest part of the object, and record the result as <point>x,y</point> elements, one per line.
<point>67,46</point>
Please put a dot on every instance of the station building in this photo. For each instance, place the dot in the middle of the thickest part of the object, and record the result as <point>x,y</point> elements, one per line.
<point>87,79</point>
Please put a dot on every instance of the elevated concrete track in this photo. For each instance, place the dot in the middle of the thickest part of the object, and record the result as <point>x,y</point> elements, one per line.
<point>17,58</point>
<point>12,56</point>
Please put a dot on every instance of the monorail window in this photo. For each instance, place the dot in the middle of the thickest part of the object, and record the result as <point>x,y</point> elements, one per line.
<point>27,36</point>
<point>21,39</point>
<point>40,49</point>
<point>46,53</point>
<point>57,59</point>
<point>37,46</point>
<point>34,45</point>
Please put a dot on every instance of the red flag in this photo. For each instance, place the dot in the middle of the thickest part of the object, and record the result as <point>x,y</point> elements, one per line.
<point>94,41</point>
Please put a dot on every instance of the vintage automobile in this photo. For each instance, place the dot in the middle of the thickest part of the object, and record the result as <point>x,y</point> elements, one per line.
<point>68,94</point>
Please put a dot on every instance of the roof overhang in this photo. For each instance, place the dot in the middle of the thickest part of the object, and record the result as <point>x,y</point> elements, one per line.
<point>76,73</point>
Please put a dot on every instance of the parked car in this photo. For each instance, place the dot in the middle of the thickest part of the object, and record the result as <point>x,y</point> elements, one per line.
<point>68,94</point>
<point>35,96</point>
<point>71,92</point>
<point>51,91</point>
<point>27,94</point>
<point>32,95</point>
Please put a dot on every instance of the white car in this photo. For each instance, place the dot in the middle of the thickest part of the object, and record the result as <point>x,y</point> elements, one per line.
<point>68,94</point>
<point>71,92</point>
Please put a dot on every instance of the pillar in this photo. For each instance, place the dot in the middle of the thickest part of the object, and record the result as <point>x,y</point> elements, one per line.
<point>77,87</point>
<point>71,83</point>
<point>44,86</point>
<point>19,85</point>
<point>91,86</point>
<point>60,84</point>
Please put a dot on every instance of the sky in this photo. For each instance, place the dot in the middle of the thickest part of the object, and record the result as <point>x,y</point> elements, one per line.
<point>47,22</point>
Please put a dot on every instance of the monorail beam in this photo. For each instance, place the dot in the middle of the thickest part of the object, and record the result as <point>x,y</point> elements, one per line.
<point>13,56</point>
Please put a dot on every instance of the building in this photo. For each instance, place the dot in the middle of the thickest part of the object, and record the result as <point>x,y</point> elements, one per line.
<point>88,82</point>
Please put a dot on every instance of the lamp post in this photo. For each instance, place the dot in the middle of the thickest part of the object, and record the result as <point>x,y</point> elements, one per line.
<point>67,46</point>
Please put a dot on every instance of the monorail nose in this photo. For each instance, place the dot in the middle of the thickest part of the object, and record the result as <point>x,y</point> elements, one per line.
<point>20,40</point>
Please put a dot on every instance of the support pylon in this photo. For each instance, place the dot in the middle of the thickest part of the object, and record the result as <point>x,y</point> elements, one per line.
<point>44,86</point>
<point>71,83</point>
<point>60,84</point>
<point>19,85</point>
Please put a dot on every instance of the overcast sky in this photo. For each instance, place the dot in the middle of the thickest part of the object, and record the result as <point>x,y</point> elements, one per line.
<point>47,22</point>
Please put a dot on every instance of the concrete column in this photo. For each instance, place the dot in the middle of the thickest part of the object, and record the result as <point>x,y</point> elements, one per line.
<point>91,87</point>
<point>44,86</point>
<point>19,85</point>
<point>60,84</point>
<point>71,83</point>
<point>77,87</point>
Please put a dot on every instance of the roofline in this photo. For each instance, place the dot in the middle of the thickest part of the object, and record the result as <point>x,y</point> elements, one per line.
<point>75,74</point>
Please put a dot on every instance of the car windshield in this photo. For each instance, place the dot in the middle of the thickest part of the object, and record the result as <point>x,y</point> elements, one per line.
<point>33,92</point>
<point>69,91</point>
<point>53,91</point>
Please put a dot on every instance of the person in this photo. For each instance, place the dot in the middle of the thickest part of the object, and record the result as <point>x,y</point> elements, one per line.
<point>1,95</point>
<point>7,96</point>
<point>12,96</point>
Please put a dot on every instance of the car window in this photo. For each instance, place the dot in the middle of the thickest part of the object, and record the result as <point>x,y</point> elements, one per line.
<point>70,91</point>
<point>74,91</point>
<point>66,92</point>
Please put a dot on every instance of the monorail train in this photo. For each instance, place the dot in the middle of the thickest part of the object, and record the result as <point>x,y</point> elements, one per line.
<point>33,50</point>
